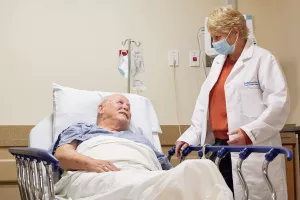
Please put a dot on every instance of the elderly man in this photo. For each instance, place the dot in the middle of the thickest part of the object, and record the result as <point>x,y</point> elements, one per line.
<point>132,166</point>
<point>113,120</point>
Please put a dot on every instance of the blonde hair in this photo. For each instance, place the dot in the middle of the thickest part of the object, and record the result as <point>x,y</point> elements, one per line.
<point>223,19</point>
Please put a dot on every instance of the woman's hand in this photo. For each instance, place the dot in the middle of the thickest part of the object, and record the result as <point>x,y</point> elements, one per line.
<point>180,146</point>
<point>237,137</point>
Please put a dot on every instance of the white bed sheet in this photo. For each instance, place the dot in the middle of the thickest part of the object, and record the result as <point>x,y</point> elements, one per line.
<point>141,176</point>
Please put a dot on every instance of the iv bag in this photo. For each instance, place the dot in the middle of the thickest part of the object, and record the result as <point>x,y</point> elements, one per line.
<point>137,64</point>
<point>139,85</point>
<point>123,65</point>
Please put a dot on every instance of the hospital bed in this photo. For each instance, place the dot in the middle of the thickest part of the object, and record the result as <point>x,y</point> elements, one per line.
<point>37,169</point>
<point>30,162</point>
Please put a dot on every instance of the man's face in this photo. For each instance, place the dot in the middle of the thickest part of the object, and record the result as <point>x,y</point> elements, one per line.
<point>116,107</point>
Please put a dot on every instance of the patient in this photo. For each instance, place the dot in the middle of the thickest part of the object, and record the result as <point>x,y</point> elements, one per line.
<point>113,120</point>
<point>107,161</point>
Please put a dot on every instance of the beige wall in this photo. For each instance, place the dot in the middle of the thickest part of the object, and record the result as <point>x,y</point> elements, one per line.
<point>75,43</point>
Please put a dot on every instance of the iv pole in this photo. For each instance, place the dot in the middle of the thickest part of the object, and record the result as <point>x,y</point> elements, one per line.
<point>129,59</point>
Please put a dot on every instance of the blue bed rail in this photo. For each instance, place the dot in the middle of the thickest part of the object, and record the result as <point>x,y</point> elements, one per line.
<point>34,153</point>
<point>244,151</point>
<point>30,163</point>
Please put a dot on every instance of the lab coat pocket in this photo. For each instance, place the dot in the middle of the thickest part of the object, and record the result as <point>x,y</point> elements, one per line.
<point>252,104</point>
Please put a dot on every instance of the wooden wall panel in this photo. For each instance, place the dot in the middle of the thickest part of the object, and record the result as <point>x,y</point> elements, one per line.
<point>11,136</point>
<point>171,133</point>
<point>14,135</point>
<point>9,191</point>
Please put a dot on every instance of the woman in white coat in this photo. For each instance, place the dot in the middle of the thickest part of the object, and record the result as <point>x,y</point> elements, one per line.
<point>243,101</point>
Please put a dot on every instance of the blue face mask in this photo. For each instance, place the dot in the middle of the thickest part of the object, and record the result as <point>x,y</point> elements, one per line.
<point>222,46</point>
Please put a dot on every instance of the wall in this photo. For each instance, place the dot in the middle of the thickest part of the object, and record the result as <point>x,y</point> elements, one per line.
<point>75,43</point>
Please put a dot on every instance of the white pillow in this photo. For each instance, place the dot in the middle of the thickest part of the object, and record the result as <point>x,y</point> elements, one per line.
<point>73,106</point>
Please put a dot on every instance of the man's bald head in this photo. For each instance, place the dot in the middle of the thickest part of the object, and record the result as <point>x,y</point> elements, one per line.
<point>112,97</point>
<point>114,110</point>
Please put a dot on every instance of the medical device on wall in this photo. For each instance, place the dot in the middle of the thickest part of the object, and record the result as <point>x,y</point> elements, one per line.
<point>232,3</point>
<point>210,52</point>
<point>131,64</point>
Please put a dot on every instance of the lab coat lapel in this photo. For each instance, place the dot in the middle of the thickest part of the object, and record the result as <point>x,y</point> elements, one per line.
<point>246,54</point>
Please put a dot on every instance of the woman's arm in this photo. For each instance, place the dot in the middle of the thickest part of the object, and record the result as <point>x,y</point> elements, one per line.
<point>275,97</point>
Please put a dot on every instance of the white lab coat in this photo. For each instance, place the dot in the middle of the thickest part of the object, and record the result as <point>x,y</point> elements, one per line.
<point>257,101</point>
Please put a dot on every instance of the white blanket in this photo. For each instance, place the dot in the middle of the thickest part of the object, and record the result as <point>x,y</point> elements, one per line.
<point>141,177</point>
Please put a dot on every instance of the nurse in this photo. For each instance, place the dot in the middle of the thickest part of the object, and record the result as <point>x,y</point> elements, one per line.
<point>243,101</point>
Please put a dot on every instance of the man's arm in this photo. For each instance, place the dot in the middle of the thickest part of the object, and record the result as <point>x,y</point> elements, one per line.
<point>70,159</point>
<point>164,161</point>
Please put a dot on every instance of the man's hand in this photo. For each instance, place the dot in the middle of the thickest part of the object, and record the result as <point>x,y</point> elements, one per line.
<point>101,166</point>
<point>237,137</point>
<point>70,159</point>
<point>180,146</point>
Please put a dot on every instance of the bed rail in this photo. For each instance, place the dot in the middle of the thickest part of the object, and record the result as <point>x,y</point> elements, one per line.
<point>244,151</point>
<point>30,163</point>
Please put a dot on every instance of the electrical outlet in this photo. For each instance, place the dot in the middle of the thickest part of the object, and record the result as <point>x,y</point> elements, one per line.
<point>173,58</point>
<point>194,59</point>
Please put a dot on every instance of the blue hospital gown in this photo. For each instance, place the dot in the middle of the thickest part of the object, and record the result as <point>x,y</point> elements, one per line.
<point>82,132</point>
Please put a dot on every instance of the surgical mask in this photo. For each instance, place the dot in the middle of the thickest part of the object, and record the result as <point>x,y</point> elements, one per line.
<point>222,46</point>
<point>123,64</point>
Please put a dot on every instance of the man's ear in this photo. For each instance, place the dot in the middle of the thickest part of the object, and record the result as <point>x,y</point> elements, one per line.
<point>100,109</point>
